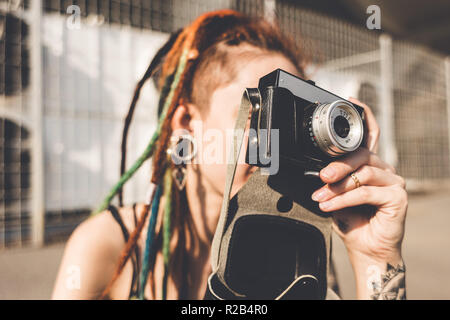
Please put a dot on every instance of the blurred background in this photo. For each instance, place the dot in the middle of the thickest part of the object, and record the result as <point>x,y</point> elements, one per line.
<point>68,70</point>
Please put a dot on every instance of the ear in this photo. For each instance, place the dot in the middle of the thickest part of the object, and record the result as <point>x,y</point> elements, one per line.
<point>183,116</point>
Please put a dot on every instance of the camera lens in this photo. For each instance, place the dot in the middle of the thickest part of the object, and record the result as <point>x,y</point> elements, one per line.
<point>341,126</point>
<point>336,128</point>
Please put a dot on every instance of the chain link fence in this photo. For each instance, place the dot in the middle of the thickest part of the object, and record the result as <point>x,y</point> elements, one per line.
<point>405,85</point>
<point>421,122</point>
<point>88,56</point>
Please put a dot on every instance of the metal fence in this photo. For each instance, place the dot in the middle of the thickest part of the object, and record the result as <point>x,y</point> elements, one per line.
<point>421,113</point>
<point>405,85</point>
<point>66,81</point>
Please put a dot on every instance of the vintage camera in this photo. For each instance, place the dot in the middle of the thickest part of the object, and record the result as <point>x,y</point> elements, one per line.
<point>315,126</point>
<point>272,240</point>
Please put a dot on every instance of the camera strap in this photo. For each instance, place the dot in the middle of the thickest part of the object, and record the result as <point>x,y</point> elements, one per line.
<point>250,97</point>
<point>271,240</point>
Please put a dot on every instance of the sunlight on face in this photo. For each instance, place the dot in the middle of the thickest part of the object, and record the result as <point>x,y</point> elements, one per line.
<point>223,108</point>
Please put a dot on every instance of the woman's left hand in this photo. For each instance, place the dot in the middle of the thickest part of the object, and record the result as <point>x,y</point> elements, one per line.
<point>370,218</point>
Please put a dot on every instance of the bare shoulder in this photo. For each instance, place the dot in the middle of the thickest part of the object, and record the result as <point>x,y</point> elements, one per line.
<point>102,232</point>
<point>92,252</point>
<point>96,233</point>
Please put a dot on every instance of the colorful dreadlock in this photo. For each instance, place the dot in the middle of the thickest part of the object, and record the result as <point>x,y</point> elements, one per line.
<point>152,68</point>
<point>167,233</point>
<point>150,247</point>
<point>184,41</point>
<point>150,147</point>
<point>179,61</point>
<point>147,153</point>
<point>171,102</point>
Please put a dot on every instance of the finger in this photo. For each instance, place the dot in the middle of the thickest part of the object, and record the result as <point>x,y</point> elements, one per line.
<point>373,131</point>
<point>377,196</point>
<point>341,168</point>
<point>366,175</point>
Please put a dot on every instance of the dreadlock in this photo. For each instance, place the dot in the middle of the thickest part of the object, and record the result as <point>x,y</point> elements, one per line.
<point>151,70</point>
<point>186,56</point>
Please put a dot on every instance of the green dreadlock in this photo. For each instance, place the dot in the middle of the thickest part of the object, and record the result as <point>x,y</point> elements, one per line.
<point>166,232</point>
<point>151,145</point>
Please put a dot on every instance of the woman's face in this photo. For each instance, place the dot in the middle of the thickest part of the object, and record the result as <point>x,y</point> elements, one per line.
<point>213,129</point>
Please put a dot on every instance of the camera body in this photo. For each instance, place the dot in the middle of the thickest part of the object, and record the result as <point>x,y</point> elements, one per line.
<point>314,126</point>
<point>272,240</point>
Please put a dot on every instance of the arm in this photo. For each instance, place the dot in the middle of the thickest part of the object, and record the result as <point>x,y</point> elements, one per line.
<point>370,221</point>
<point>369,218</point>
<point>89,259</point>
<point>379,279</point>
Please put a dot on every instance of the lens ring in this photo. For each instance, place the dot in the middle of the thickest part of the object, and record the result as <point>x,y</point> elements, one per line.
<point>323,126</point>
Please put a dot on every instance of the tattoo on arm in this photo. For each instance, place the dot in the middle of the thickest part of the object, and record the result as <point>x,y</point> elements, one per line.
<point>392,284</point>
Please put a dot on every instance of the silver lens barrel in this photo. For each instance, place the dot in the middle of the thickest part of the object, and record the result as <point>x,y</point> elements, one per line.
<point>337,127</point>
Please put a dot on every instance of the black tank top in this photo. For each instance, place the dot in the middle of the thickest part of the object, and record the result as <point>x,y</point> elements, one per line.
<point>135,256</point>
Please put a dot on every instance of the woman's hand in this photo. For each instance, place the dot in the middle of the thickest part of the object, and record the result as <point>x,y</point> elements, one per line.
<point>369,218</point>
<point>375,230</point>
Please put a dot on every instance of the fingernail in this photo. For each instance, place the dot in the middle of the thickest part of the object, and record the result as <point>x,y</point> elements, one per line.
<point>325,205</point>
<point>328,173</point>
<point>319,195</point>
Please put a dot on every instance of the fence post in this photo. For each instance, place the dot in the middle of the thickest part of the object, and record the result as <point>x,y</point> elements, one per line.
<point>37,164</point>
<point>269,9</point>
<point>447,86</point>
<point>387,120</point>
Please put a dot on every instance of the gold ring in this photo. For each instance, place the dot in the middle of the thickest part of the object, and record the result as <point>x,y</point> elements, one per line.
<point>355,180</point>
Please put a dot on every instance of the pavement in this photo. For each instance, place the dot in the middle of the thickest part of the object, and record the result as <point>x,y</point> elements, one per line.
<point>29,273</point>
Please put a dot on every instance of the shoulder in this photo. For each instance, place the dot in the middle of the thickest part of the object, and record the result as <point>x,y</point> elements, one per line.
<point>97,233</point>
<point>102,232</point>
<point>92,252</point>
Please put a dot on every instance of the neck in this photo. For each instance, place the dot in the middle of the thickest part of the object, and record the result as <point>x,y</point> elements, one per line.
<point>204,205</point>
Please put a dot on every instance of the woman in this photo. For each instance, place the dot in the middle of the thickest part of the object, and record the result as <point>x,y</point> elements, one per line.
<point>203,70</point>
